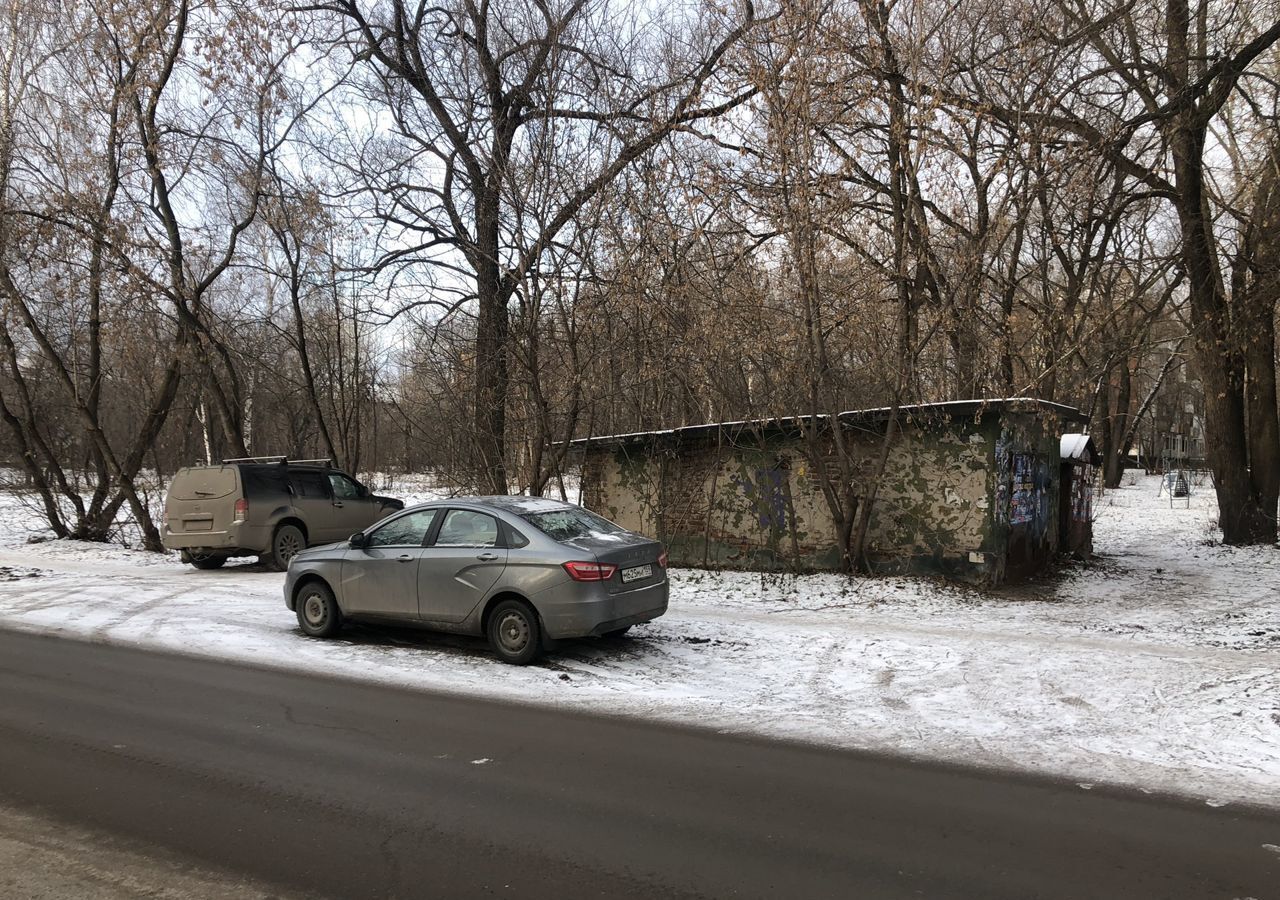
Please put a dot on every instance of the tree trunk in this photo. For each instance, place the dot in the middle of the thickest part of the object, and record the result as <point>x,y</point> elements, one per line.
<point>1264,428</point>
<point>492,328</point>
<point>1257,335</point>
<point>1244,516</point>
<point>1113,464</point>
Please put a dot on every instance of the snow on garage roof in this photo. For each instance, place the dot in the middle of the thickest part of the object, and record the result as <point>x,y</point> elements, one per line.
<point>953,408</point>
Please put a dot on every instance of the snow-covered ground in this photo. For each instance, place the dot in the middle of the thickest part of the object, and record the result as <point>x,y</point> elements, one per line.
<point>1156,666</point>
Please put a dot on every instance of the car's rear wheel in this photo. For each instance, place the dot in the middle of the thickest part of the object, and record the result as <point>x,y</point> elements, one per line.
<point>206,560</point>
<point>318,612</point>
<point>514,632</point>
<point>286,543</point>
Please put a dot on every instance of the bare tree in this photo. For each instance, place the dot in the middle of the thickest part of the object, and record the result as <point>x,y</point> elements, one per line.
<point>500,107</point>
<point>123,200</point>
<point>1150,83</point>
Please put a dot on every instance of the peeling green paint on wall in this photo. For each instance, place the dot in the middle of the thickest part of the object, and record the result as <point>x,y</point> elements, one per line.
<point>942,505</point>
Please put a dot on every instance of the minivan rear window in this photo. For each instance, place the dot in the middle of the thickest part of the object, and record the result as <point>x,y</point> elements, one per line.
<point>569,524</point>
<point>203,483</point>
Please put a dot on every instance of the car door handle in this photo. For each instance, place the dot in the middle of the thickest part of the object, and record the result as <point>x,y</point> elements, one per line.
<point>487,557</point>
<point>337,503</point>
<point>404,557</point>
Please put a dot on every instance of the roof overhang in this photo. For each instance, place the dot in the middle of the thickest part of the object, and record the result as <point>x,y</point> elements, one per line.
<point>922,413</point>
<point>1079,449</point>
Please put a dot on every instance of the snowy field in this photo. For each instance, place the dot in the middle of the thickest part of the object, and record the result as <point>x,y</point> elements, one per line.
<point>1157,666</point>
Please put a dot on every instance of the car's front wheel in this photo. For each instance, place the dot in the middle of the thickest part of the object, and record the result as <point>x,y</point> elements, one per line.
<point>514,632</point>
<point>318,612</point>
<point>286,543</point>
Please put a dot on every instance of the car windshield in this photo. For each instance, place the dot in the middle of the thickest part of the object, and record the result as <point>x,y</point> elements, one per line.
<point>569,524</point>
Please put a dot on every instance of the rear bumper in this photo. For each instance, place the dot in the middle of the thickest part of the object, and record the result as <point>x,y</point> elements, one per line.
<point>639,618</point>
<point>584,610</point>
<point>239,537</point>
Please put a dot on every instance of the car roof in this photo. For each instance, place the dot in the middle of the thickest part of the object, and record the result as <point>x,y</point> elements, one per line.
<point>517,504</point>
<point>289,467</point>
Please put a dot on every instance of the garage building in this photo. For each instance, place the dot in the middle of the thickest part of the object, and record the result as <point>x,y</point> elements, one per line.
<point>970,489</point>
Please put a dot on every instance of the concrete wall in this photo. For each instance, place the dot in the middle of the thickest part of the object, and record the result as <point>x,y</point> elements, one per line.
<point>757,504</point>
<point>752,506</point>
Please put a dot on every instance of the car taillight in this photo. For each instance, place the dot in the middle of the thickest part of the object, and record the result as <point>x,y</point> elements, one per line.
<point>589,571</point>
<point>242,510</point>
<point>662,559</point>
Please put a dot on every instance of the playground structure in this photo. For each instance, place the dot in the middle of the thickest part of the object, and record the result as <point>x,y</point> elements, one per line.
<point>1181,465</point>
<point>1177,484</point>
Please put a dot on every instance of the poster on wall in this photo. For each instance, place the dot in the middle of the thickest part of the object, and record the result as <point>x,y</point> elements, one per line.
<point>1023,501</point>
<point>1082,495</point>
<point>1003,476</point>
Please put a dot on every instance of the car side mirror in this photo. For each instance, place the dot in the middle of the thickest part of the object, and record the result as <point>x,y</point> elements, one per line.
<point>356,541</point>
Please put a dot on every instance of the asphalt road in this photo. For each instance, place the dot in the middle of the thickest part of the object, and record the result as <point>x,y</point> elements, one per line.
<point>353,790</point>
<point>43,858</point>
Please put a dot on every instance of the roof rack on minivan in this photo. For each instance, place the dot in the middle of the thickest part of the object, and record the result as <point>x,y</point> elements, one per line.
<point>278,459</point>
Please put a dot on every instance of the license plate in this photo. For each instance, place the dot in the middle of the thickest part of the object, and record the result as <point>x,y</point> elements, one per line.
<point>636,573</point>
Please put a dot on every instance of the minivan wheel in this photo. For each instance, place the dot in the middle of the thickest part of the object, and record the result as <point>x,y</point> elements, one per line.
<point>206,560</point>
<point>514,632</point>
<point>318,612</point>
<point>285,544</point>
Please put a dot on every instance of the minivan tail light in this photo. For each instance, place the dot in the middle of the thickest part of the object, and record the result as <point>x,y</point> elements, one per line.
<point>662,559</point>
<point>242,510</point>
<point>589,571</point>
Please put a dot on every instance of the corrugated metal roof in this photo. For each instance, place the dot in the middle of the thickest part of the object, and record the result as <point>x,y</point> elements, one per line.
<point>853,417</point>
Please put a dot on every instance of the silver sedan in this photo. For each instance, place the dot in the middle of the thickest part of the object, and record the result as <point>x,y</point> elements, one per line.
<point>520,570</point>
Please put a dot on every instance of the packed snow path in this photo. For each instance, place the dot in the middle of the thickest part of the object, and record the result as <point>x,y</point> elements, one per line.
<point>1158,666</point>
